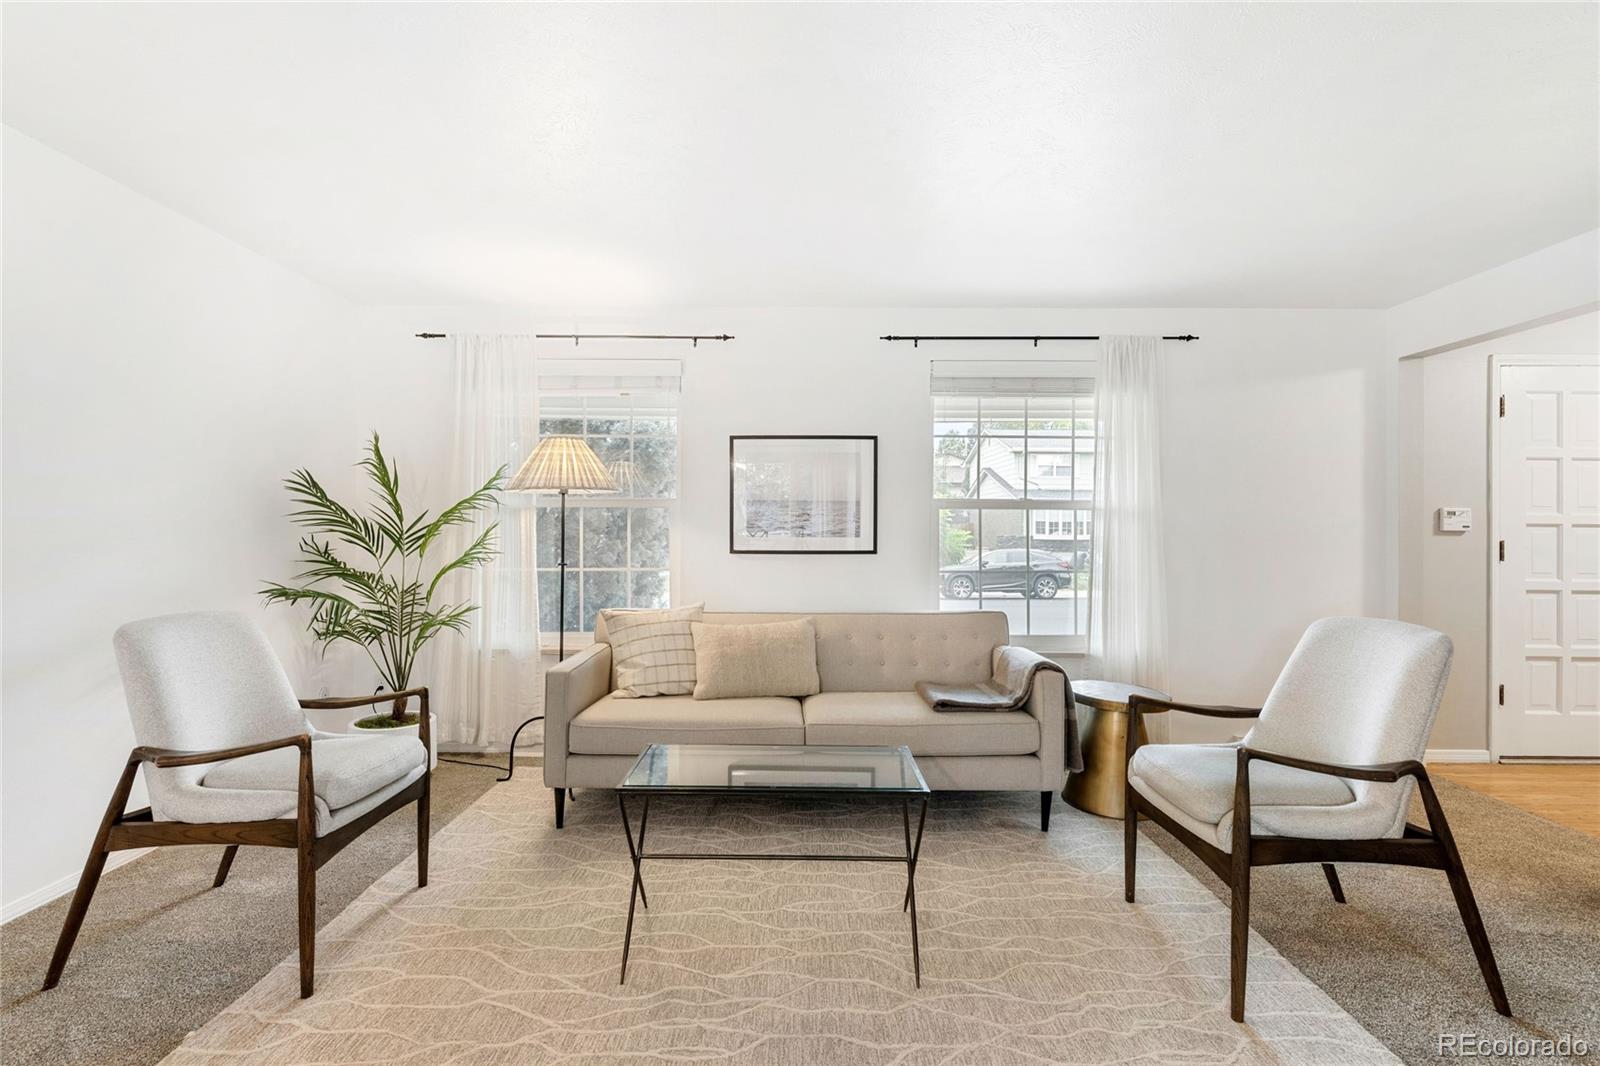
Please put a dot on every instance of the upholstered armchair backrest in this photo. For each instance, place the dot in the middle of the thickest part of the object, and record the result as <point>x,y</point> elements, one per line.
<point>204,680</point>
<point>1356,690</point>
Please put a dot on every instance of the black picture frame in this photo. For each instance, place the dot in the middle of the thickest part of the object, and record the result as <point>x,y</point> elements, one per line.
<point>870,440</point>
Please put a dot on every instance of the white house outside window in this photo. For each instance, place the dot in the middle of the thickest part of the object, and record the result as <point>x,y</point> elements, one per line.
<point>1013,496</point>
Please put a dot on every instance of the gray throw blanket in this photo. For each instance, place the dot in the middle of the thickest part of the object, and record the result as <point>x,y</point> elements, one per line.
<point>1014,670</point>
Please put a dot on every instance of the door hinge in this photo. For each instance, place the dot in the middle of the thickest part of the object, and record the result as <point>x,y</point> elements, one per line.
<point>1502,405</point>
<point>1502,551</point>
<point>1502,695</point>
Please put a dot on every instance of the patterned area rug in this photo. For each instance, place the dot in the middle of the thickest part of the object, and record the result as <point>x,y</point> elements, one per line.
<point>1029,953</point>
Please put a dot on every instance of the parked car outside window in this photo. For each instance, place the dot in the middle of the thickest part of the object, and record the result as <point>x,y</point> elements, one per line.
<point>1038,574</point>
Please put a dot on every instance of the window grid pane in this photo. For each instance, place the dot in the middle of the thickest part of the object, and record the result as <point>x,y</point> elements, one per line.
<point>618,545</point>
<point>1015,475</point>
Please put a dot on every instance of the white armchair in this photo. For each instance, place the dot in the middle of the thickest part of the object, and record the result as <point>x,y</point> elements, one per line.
<point>229,759</point>
<point>1324,775</point>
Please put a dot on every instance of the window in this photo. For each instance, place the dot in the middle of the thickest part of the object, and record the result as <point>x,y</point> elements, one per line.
<point>1013,496</point>
<point>619,545</point>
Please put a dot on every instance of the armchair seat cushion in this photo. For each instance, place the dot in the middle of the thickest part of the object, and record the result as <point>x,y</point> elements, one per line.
<point>1198,779</point>
<point>1193,783</point>
<point>344,769</point>
<point>615,725</point>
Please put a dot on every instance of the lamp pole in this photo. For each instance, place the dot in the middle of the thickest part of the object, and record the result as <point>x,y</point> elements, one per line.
<point>561,588</point>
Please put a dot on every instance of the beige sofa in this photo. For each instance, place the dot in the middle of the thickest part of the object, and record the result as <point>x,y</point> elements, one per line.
<point>868,664</point>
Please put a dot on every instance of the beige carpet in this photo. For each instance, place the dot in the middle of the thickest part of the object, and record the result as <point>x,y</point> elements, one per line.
<point>162,951</point>
<point>1029,953</point>
<point>1397,958</point>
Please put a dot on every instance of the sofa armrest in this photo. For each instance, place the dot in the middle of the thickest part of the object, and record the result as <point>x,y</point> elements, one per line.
<point>1048,703</point>
<point>569,687</point>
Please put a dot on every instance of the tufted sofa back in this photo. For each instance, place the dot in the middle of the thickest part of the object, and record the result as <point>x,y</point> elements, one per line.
<point>890,652</point>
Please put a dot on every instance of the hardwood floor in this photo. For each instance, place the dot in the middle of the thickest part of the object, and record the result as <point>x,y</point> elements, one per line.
<point>1568,795</point>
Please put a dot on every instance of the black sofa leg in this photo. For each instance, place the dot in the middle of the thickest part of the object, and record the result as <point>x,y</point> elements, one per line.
<point>1044,810</point>
<point>561,807</point>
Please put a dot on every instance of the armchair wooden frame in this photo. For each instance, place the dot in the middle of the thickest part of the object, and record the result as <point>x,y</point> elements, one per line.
<point>120,831</point>
<point>1433,847</point>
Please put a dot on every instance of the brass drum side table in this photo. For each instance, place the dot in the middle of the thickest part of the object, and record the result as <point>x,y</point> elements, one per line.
<point>1099,789</point>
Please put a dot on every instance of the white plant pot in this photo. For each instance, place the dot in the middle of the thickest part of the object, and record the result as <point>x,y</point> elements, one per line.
<point>403,731</point>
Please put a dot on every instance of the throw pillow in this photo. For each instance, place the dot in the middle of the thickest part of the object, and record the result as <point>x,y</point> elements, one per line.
<point>653,651</point>
<point>761,659</point>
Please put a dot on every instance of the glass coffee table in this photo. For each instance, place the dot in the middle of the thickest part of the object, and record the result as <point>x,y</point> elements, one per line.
<point>838,772</point>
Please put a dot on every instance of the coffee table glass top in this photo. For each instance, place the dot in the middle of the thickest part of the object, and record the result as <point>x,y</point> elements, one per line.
<point>775,768</point>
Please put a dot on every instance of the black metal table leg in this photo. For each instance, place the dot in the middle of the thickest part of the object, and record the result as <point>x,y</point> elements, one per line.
<point>911,893</point>
<point>636,888</point>
<point>913,851</point>
<point>905,820</point>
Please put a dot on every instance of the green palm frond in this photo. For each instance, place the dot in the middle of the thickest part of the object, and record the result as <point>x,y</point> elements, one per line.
<point>478,552</point>
<point>390,516</point>
<point>332,519</point>
<point>460,512</point>
<point>386,608</point>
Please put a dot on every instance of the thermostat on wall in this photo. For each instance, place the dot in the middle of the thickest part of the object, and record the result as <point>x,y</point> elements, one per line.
<point>1454,519</point>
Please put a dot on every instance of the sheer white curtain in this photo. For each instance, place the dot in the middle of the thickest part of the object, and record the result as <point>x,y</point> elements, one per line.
<point>1128,619</point>
<point>489,679</point>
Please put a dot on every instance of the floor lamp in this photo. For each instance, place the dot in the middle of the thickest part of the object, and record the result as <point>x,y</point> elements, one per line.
<point>561,465</point>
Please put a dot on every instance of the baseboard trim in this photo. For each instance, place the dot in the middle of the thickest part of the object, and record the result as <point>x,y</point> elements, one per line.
<point>58,888</point>
<point>1456,755</point>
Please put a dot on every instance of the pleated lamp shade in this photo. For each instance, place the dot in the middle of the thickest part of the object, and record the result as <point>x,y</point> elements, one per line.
<point>562,463</point>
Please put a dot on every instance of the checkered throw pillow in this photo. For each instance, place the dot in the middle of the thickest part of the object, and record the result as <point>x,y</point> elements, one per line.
<point>653,651</point>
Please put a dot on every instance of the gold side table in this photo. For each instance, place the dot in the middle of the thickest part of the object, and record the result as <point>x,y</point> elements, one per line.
<point>1100,788</point>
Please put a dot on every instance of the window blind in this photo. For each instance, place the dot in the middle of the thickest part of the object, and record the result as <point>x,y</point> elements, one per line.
<point>592,376</point>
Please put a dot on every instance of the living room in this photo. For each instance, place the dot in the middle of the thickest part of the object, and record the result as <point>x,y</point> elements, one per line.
<point>983,410</point>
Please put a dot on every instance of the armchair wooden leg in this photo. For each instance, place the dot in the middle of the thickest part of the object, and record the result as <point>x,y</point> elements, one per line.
<point>422,834</point>
<point>306,881</point>
<point>306,885</point>
<point>93,866</point>
<point>1470,918</point>
<point>1239,880</point>
<point>1044,810</point>
<point>1333,882</point>
<point>225,865</point>
<point>1239,945</point>
<point>1130,843</point>
<point>561,807</point>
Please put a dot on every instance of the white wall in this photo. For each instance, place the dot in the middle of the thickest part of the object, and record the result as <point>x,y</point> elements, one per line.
<point>1542,304</point>
<point>158,381</point>
<point>1276,457</point>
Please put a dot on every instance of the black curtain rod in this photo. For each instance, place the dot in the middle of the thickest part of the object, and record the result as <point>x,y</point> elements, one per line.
<point>1034,339</point>
<point>696,338</point>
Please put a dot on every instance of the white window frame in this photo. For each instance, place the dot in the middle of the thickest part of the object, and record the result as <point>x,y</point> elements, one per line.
<point>575,502</point>
<point>1047,643</point>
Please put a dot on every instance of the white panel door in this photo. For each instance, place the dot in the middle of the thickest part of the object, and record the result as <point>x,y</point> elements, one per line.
<point>1547,599</point>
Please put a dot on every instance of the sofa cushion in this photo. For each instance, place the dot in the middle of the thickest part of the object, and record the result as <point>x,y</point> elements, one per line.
<point>612,726</point>
<point>762,659</point>
<point>344,770</point>
<point>895,718</point>
<point>1198,779</point>
<point>652,651</point>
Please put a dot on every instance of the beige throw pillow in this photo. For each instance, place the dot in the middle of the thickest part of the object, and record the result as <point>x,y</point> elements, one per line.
<point>653,651</point>
<point>761,659</point>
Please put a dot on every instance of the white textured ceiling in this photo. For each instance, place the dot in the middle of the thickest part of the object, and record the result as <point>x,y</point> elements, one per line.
<point>1327,155</point>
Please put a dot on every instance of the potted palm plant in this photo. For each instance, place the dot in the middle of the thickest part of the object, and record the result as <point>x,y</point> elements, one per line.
<point>384,601</point>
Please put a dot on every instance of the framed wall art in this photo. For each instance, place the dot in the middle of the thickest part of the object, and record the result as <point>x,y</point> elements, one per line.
<point>794,495</point>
